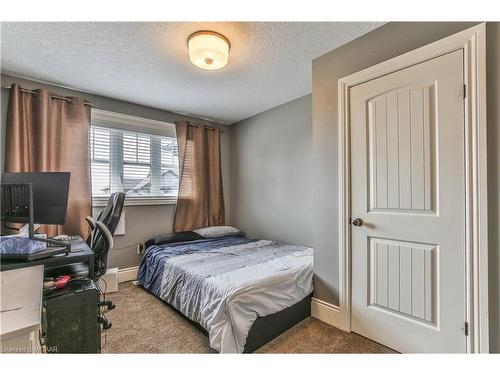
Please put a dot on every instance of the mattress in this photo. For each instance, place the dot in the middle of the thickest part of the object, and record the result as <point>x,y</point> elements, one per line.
<point>225,284</point>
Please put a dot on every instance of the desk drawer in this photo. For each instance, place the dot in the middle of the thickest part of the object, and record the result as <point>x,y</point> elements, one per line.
<point>21,298</point>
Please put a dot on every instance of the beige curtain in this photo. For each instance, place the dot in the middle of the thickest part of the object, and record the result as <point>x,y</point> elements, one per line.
<point>46,134</point>
<point>201,199</point>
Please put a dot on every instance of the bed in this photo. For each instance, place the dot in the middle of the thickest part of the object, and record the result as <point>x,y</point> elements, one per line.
<point>241,292</point>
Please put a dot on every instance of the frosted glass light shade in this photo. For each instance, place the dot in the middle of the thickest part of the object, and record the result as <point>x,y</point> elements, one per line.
<point>208,50</point>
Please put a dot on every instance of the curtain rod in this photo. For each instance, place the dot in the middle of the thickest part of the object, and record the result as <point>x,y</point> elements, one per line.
<point>206,127</point>
<point>33,92</point>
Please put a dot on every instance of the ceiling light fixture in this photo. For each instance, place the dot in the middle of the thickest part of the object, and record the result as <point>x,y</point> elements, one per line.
<point>208,50</point>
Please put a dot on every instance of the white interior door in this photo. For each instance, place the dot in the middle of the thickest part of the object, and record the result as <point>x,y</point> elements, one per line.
<point>408,189</point>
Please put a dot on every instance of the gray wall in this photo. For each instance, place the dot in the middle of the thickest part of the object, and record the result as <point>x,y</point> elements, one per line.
<point>271,174</point>
<point>142,222</point>
<point>379,45</point>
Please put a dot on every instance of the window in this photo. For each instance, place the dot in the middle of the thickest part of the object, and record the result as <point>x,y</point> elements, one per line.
<point>140,164</point>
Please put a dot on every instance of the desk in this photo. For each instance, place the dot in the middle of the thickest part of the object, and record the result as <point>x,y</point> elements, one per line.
<point>22,291</point>
<point>82,253</point>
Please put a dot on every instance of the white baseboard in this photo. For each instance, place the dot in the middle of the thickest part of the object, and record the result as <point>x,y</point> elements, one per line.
<point>327,313</point>
<point>127,274</point>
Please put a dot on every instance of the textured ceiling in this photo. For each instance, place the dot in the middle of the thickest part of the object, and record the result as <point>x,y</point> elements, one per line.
<point>147,63</point>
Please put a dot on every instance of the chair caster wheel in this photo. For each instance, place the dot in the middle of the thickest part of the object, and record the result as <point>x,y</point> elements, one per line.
<point>111,307</point>
<point>106,324</point>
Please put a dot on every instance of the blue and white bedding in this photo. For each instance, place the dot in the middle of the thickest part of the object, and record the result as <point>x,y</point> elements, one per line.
<point>224,284</point>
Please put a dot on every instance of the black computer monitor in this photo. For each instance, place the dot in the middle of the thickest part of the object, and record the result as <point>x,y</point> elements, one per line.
<point>50,194</point>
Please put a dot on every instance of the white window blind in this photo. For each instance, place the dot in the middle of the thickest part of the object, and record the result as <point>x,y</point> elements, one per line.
<point>100,158</point>
<point>138,163</point>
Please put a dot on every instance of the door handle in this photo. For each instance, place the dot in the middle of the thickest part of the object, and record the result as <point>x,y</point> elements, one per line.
<point>357,222</point>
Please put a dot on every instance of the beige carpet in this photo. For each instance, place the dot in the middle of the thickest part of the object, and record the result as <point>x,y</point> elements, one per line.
<point>144,324</point>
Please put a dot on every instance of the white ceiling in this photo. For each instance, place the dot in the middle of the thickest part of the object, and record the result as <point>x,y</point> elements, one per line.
<point>147,63</point>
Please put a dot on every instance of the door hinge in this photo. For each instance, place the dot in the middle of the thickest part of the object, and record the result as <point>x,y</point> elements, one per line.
<point>466,328</point>
<point>465,91</point>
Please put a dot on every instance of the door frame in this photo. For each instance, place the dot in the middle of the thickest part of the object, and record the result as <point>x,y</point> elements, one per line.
<point>473,43</point>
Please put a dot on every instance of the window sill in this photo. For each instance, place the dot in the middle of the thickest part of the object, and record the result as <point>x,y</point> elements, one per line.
<point>136,201</point>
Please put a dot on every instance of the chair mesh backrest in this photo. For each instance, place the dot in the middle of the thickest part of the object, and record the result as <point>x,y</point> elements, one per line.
<point>98,240</point>
<point>110,216</point>
<point>102,243</point>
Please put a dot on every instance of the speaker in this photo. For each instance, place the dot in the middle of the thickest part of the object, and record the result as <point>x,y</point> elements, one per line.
<point>71,319</point>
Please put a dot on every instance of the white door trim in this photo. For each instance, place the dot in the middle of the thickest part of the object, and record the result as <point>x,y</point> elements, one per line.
<point>473,43</point>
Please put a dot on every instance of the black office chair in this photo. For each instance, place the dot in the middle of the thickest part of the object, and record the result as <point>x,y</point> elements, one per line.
<point>100,241</point>
<point>101,244</point>
<point>111,214</point>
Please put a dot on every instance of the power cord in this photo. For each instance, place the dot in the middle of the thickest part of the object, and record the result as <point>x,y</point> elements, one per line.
<point>102,309</point>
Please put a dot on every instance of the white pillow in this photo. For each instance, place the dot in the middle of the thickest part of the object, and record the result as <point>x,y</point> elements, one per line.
<point>214,232</point>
